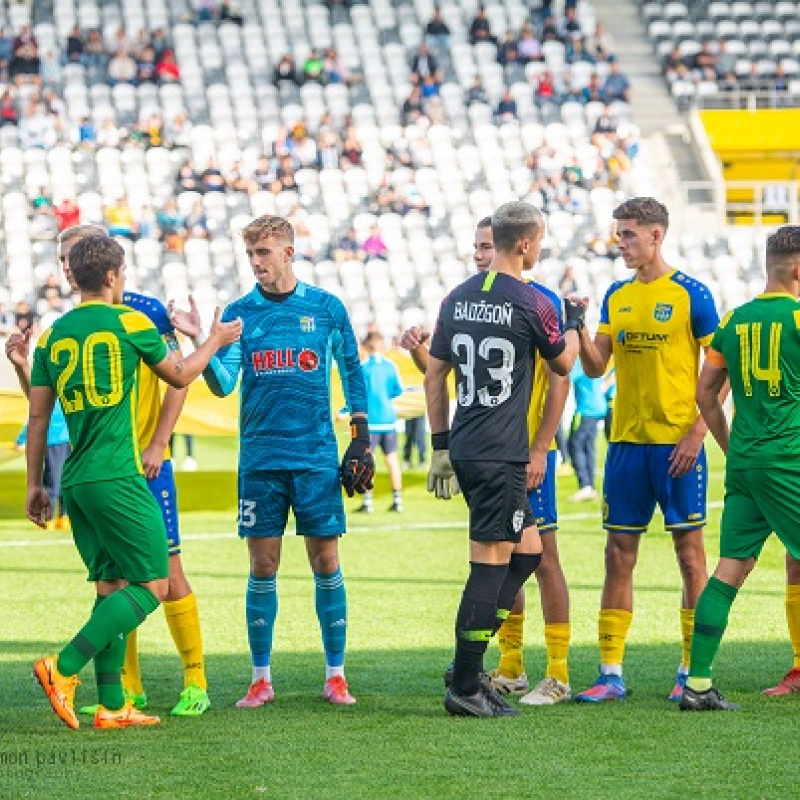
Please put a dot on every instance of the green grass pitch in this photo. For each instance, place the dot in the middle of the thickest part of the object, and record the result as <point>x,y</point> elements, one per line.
<point>404,577</point>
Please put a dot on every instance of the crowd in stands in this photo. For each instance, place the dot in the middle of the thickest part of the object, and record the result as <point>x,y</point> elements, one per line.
<point>33,101</point>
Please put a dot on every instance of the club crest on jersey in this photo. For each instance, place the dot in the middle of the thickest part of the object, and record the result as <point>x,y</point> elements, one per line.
<point>663,312</point>
<point>307,324</point>
<point>517,519</point>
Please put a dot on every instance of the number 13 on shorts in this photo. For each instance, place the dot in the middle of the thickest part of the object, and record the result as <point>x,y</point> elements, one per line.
<point>247,514</point>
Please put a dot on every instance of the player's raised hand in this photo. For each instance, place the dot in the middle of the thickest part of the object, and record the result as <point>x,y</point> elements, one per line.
<point>225,333</point>
<point>187,322</point>
<point>18,347</point>
<point>413,338</point>
<point>37,506</point>
<point>358,466</point>
<point>575,312</point>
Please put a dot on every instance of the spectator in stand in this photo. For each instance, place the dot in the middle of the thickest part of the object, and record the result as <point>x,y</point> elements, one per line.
<point>122,69</point>
<point>328,151</point>
<point>479,29</point>
<point>570,26</point>
<point>37,128</point>
<point>264,175</point>
<point>24,316</point>
<point>476,93</point>
<point>178,131</point>
<point>187,179</point>
<point>575,52</point>
<point>387,200</point>
<point>238,179</point>
<point>352,151</point>
<point>726,61</point>
<point>704,63</point>
<point>167,70</point>
<point>335,70</point>
<point>120,220</point>
<point>530,48</point>
<point>146,66</point>
<point>506,108</point>
<point>159,41</point>
<point>429,89</point>
<point>229,13</point>
<point>43,224</point>
<point>94,53</point>
<point>285,179</point>
<point>302,147</point>
<point>605,129</point>
<point>546,91</point>
<point>437,33</point>
<point>593,91</point>
<point>172,226</point>
<point>411,197</point>
<point>196,222</point>
<point>303,243</point>
<point>600,44</point>
<point>68,214</point>
<point>8,109</point>
<point>348,248</point>
<point>374,246</point>
<point>423,63</point>
<point>753,81</point>
<point>286,71</point>
<point>6,46</point>
<point>412,108</point>
<point>121,42</point>
<point>673,63</point>
<point>508,52</point>
<point>211,178</point>
<point>313,68</point>
<point>204,10</point>
<point>25,64</point>
<point>616,85</point>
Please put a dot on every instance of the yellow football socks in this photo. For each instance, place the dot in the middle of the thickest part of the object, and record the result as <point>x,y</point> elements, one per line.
<point>612,632</point>
<point>687,626</point>
<point>131,676</point>
<point>509,638</point>
<point>556,642</point>
<point>184,625</point>
<point>793,619</point>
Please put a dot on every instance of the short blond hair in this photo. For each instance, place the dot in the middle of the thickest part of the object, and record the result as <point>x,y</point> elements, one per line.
<point>80,232</point>
<point>266,226</point>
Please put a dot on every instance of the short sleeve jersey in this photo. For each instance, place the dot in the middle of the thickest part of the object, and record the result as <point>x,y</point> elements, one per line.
<point>490,329</point>
<point>383,386</point>
<point>149,386</point>
<point>759,344</point>
<point>541,383</point>
<point>91,357</point>
<point>656,331</point>
<point>286,355</point>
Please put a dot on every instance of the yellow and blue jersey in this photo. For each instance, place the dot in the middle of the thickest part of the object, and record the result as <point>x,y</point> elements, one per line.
<point>656,331</point>
<point>285,357</point>
<point>541,383</point>
<point>149,404</point>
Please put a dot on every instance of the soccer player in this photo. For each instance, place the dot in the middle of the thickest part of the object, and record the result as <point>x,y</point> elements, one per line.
<point>90,359</point>
<point>757,349</point>
<point>383,386</point>
<point>489,330</point>
<point>548,399</point>
<point>288,456</point>
<point>155,421</point>
<point>654,324</point>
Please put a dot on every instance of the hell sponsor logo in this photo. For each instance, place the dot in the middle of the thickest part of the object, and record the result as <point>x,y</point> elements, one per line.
<point>286,359</point>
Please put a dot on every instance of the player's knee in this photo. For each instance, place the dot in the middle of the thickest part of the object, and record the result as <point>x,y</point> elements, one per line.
<point>323,563</point>
<point>692,562</point>
<point>620,561</point>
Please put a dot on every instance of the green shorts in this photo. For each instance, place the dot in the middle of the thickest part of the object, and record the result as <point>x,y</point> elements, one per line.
<point>118,530</point>
<point>758,502</point>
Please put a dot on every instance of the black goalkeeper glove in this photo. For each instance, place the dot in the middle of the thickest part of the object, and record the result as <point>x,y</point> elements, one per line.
<point>358,466</point>
<point>575,315</point>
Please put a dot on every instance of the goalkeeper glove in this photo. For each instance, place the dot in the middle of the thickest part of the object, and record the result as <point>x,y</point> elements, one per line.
<point>575,314</point>
<point>358,466</point>
<point>442,479</point>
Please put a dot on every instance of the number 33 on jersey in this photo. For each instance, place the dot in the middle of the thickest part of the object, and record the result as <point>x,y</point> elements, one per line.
<point>490,329</point>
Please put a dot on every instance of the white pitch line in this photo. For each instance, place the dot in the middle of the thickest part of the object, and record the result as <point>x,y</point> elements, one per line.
<point>353,529</point>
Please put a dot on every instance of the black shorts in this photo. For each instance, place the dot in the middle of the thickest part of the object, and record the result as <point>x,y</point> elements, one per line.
<point>386,441</point>
<point>497,497</point>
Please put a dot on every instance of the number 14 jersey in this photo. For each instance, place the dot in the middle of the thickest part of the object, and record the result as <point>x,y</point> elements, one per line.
<point>490,328</point>
<point>90,357</point>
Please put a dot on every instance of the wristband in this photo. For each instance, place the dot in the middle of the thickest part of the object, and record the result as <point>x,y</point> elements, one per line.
<point>359,428</point>
<point>440,441</point>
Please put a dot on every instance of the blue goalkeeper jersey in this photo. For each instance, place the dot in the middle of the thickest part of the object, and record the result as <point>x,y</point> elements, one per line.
<point>285,356</point>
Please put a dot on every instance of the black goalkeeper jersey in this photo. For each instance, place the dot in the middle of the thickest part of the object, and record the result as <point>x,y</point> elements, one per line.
<point>490,328</point>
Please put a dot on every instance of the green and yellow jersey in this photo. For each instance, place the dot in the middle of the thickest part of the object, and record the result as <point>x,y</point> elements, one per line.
<point>91,358</point>
<point>656,331</point>
<point>759,344</point>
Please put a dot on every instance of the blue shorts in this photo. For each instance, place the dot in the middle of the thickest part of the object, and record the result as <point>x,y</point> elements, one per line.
<point>314,495</point>
<point>543,499</point>
<point>637,477</point>
<point>166,495</point>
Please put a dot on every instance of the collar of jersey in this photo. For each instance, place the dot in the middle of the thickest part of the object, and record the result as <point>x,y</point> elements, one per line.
<point>98,303</point>
<point>667,276</point>
<point>299,291</point>
<point>776,296</point>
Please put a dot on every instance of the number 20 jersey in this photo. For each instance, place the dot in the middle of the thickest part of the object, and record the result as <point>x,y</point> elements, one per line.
<point>490,329</point>
<point>90,357</point>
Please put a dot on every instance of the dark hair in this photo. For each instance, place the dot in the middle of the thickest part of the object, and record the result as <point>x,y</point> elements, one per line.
<point>645,210</point>
<point>91,258</point>
<point>486,222</point>
<point>783,244</point>
<point>512,222</point>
